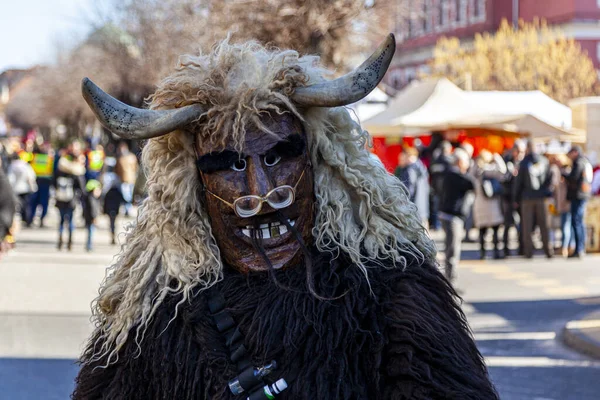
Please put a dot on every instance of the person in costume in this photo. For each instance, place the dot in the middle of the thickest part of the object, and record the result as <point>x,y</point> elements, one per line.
<point>272,257</point>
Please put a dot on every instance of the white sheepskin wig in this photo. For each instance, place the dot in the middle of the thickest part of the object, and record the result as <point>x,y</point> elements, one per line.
<point>360,208</point>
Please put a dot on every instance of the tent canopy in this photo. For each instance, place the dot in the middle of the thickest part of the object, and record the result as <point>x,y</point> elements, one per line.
<point>436,105</point>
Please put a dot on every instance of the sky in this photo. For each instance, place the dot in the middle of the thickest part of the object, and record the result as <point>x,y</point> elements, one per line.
<point>32,30</point>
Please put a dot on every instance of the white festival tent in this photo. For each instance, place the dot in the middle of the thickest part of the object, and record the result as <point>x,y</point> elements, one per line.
<point>438,104</point>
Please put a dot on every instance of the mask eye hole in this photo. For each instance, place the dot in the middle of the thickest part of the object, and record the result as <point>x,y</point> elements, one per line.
<point>239,165</point>
<point>272,159</point>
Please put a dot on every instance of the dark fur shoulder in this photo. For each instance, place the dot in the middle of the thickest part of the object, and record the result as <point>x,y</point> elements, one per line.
<point>402,337</point>
<point>430,352</point>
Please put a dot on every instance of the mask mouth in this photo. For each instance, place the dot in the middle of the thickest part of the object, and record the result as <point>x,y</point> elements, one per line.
<point>270,230</point>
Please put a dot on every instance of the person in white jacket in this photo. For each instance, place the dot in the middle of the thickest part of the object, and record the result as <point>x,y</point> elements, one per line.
<point>23,181</point>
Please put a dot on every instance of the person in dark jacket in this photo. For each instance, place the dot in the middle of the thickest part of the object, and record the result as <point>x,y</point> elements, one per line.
<point>68,181</point>
<point>91,208</point>
<point>531,187</point>
<point>579,191</point>
<point>437,170</point>
<point>456,201</point>
<point>113,197</point>
<point>8,204</point>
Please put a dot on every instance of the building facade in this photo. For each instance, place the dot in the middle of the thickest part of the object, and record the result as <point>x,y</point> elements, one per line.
<point>428,20</point>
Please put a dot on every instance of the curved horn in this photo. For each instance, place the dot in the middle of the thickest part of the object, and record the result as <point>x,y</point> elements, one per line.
<point>352,86</point>
<point>135,123</point>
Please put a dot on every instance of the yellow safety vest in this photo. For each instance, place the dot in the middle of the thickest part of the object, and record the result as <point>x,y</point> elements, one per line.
<point>25,156</point>
<point>95,160</point>
<point>42,164</point>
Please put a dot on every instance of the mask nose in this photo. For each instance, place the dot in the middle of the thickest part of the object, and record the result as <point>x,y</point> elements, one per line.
<point>259,182</point>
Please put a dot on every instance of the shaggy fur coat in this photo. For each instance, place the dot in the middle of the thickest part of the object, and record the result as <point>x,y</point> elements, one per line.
<point>402,337</point>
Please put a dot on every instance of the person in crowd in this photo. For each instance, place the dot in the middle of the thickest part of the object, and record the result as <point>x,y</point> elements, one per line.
<point>413,174</point>
<point>8,205</point>
<point>43,166</point>
<point>456,201</point>
<point>593,158</point>
<point>94,160</point>
<point>489,172</point>
<point>468,147</point>
<point>91,209</point>
<point>126,169</point>
<point>26,151</point>
<point>561,207</point>
<point>4,155</point>
<point>437,171</point>
<point>532,186</point>
<point>22,179</point>
<point>511,211</point>
<point>579,191</point>
<point>113,198</point>
<point>68,182</point>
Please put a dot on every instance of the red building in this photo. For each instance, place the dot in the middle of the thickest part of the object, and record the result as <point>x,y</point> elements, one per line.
<point>418,33</point>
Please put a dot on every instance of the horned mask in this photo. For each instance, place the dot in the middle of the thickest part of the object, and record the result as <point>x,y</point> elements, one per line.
<point>259,198</point>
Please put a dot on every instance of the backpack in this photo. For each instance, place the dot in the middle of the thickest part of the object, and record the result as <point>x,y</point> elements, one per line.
<point>64,189</point>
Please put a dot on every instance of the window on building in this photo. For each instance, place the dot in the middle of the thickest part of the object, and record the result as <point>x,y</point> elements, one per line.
<point>439,21</point>
<point>462,12</point>
<point>479,10</point>
<point>426,18</point>
<point>457,10</point>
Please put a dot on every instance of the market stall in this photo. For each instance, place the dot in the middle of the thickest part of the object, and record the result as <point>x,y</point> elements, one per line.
<point>490,120</point>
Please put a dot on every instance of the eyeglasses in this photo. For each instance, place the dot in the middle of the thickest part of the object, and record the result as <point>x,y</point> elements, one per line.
<point>250,205</point>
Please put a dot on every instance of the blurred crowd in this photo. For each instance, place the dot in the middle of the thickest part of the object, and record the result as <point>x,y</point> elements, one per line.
<point>527,188</point>
<point>82,180</point>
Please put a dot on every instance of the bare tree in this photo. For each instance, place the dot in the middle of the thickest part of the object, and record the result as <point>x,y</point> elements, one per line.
<point>138,42</point>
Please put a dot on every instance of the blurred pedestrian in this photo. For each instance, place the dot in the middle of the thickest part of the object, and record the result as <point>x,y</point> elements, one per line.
<point>113,198</point>
<point>490,172</point>
<point>469,224</point>
<point>437,171</point>
<point>531,188</point>
<point>91,209</point>
<point>126,169</point>
<point>8,205</point>
<point>94,160</point>
<point>579,191</point>
<point>456,200</point>
<point>68,181</point>
<point>4,155</point>
<point>509,208</point>
<point>593,159</point>
<point>22,179</point>
<point>413,174</point>
<point>43,166</point>
<point>561,206</point>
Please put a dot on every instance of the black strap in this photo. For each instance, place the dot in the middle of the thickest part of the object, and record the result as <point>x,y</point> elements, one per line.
<point>234,340</point>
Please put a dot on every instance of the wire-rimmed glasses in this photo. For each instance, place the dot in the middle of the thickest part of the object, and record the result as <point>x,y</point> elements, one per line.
<point>250,205</point>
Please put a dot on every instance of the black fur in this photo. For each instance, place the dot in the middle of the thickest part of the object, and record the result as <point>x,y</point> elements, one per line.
<point>406,340</point>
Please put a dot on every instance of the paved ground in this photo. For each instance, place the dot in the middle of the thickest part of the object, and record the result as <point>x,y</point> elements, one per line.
<point>45,298</point>
<point>515,307</point>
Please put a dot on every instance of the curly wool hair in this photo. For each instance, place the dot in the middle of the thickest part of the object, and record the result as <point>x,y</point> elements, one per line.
<point>361,210</point>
